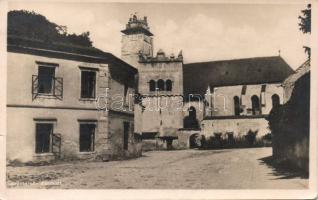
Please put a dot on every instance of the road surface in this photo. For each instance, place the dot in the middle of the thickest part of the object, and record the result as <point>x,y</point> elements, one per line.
<point>185,169</point>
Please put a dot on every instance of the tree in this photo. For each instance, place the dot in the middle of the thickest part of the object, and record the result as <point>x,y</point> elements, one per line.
<point>30,25</point>
<point>305,25</point>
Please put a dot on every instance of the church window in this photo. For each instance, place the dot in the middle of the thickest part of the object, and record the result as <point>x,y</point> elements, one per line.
<point>236,100</point>
<point>275,101</point>
<point>255,105</point>
<point>161,85</point>
<point>168,85</point>
<point>152,85</point>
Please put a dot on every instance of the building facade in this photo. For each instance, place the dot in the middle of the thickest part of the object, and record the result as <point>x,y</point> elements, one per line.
<point>219,97</point>
<point>61,103</point>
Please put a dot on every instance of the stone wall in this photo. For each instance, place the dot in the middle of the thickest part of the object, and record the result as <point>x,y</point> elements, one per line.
<point>116,136</point>
<point>154,144</point>
<point>184,138</point>
<point>290,123</point>
<point>161,70</point>
<point>165,118</point>
<point>221,99</point>
<point>239,126</point>
<point>182,141</point>
<point>296,153</point>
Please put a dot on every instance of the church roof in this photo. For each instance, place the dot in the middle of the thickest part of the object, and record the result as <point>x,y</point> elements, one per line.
<point>198,76</point>
<point>136,30</point>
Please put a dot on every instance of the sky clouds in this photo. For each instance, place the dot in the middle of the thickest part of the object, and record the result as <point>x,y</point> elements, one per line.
<point>203,32</point>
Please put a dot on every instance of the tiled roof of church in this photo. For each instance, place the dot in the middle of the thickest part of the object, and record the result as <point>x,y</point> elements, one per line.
<point>198,76</point>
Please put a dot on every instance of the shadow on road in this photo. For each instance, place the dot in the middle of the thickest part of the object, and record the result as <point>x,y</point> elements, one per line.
<point>283,170</point>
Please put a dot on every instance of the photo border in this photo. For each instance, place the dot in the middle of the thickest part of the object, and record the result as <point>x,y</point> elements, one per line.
<point>48,194</point>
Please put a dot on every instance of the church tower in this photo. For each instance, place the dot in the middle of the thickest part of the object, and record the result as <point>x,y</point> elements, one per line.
<point>137,41</point>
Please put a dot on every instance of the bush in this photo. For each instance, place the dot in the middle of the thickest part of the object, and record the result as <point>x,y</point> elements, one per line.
<point>228,141</point>
<point>267,137</point>
<point>251,137</point>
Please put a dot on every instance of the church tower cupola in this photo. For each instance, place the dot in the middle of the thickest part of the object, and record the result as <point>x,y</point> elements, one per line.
<point>135,26</point>
<point>137,41</point>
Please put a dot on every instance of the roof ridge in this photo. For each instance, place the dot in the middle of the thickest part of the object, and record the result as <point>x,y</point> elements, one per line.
<point>235,59</point>
<point>65,49</point>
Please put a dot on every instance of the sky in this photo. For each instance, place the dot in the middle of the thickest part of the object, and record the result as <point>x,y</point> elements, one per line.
<point>204,32</point>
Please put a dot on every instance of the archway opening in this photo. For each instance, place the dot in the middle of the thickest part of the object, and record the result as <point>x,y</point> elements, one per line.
<point>194,140</point>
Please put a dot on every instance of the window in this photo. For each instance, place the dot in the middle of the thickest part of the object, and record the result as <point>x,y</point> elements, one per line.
<point>275,101</point>
<point>87,137</point>
<point>192,113</point>
<point>45,79</point>
<point>126,135</point>
<point>191,121</point>
<point>161,85</point>
<point>255,105</point>
<point>43,137</point>
<point>125,94</point>
<point>169,85</point>
<point>45,83</point>
<point>263,97</point>
<point>152,85</point>
<point>88,84</point>
<point>236,100</point>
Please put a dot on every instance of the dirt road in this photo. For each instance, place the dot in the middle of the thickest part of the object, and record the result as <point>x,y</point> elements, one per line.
<point>186,169</point>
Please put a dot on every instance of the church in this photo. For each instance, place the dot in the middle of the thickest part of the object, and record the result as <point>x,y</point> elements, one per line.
<point>226,99</point>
